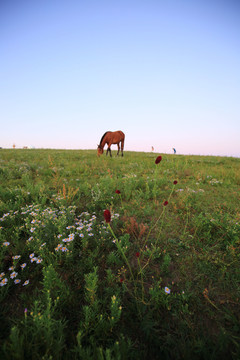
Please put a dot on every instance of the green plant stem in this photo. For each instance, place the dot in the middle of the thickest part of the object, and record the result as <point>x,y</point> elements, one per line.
<point>127,262</point>
<point>121,201</point>
<point>153,226</point>
<point>119,248</point>
<point>141,273</point>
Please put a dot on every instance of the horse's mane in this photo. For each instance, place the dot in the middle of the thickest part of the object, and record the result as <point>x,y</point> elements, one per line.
<point>103,137</point>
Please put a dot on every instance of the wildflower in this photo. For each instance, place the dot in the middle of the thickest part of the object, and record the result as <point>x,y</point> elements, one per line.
<point>2,275</point>
<point>16,257</point>
<point>13,274</point>
<point>26,283</point>
<point>59,236</point>
<point>31,255</point>
<point>165,203</point>
<point>167,290</point>
<point>158,159</point>
<point>137,254</point>
<point>33,259</point>
<point>11,268</point>
<point>118,192</point>
<point>81,235</point>
<point>32,229</point>
<point>17,281</point>
<point>90,234</point>
<point>175,182</point>
<point>4,282</point>
<point>6,243</point>
<point>38,261</point>
<point>23,265</point>
<point>107,215</point>
<point>64,249</point>
<point>121,280</point>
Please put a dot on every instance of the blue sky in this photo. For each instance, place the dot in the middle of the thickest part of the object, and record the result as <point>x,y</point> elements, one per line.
<point>167,73</point>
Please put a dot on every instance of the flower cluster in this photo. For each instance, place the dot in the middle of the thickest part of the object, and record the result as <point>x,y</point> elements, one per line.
<point>82,225</point>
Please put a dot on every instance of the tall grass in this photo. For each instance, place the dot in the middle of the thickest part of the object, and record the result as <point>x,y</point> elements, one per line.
<point>158,277</point>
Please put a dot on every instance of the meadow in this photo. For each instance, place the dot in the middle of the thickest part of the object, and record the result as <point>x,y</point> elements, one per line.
<point>133,257</point>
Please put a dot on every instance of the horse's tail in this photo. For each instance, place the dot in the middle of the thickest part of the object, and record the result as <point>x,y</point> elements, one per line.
<point>103,137</point>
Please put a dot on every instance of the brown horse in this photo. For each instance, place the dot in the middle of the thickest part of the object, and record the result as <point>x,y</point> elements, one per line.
<point>109,138</point>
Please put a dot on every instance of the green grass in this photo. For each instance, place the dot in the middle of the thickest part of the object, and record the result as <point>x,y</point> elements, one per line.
<point>156,282</point>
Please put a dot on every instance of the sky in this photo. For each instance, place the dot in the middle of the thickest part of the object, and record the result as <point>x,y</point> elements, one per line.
<point>166,73</point>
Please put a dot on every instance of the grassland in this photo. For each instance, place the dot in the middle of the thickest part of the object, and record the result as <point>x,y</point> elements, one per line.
<point>159,281</point>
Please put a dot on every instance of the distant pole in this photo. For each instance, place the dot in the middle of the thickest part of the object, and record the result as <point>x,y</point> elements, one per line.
<point>152,148</point>
<point>174,150</point>
<point>14,146</point>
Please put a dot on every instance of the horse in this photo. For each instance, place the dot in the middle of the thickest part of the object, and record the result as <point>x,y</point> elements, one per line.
<point>109,138</point>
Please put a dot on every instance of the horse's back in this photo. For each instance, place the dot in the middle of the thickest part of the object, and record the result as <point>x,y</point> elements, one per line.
<point>121,134</point>
<point>117,136</point>
<point>114,136</point>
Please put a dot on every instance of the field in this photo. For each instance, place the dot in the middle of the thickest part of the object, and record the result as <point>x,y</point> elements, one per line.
<point>119,258</point>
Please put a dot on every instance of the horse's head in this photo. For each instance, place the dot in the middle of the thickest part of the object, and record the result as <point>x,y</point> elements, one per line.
<point>99,150</point>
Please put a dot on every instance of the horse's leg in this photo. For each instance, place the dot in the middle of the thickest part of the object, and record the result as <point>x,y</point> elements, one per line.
<point>109,148</point>
<point>118,148</point>
<point>122,146</point>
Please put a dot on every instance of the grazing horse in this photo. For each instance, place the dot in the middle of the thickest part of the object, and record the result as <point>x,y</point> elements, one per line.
<point>109,138</point>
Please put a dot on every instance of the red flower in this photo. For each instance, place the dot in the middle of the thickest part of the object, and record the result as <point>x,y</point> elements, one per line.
<point>158,159</point>
<point>107,216</point>
<point>137,254</point>
<point>165,203</point>
<point>175,182</point>
<point>121,280</point>
<point>118,192</point>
